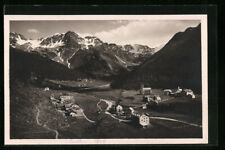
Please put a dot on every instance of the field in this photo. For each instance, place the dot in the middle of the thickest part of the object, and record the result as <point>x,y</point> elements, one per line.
<point>32,114</point>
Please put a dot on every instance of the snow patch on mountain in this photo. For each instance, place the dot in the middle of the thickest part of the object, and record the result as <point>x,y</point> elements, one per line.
<point>120,60</point>
<point>53,45</point>
<point>110,67</point>
<point>34,43</point>
<point>59,55</point>
<point>68,63</point>
<point>37,43</point>
<point>88,41</point>
<point>58,34</point>
<point>20,41</point>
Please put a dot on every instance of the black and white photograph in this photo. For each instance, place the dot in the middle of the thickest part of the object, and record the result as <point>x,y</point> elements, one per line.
<point>106,79</point>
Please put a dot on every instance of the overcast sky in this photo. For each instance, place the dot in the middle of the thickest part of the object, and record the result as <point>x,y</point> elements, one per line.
<point>147,32</point>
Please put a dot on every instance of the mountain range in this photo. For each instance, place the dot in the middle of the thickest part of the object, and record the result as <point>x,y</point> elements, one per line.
<point>62,47</point>
<point>177,63</point>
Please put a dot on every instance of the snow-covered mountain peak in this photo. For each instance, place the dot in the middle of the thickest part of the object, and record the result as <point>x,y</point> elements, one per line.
<point>92,41</point>
<point>62,47</point>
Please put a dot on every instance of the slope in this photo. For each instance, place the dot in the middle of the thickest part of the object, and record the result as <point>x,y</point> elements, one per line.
<point>23,64</point>
<point>177,64</point>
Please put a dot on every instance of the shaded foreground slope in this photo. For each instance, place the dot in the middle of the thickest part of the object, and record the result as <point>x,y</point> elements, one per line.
<point>23,65</point>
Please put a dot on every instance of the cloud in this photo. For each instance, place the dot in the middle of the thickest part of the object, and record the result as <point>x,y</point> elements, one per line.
<point>148,32</point>
<point>32,31</point>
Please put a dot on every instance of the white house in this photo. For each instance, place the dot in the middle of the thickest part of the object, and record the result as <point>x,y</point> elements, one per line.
<point>74,106</point>
<point>52,97</point>
<point>144,106</point>
<point>119,109</point>
<point>64,98</point>
<point>144,120</point>
<point>146,90</point>
<point>147,98</point>
<point>179,90</point>
<point>73,114</point>
<point>157,98</point>
<point>167,91</point>
<point>190,93</point>
<point>46,89</point>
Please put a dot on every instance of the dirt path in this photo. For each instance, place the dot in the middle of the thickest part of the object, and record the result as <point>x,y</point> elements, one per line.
<point>53,130</point>
<point>175,120</point>
<point>37,116</point>
<point>44,125</point>
<point>104,86</point>
<point>99,106</point>
<point>88,119</point>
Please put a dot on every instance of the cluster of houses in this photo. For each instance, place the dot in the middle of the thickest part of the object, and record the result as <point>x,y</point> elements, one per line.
<point>122,112</point>
<point>148,97</point>
<point>180,92</point>
<point>64,104</point>
<point>128,113</point>
<point>150,100</point>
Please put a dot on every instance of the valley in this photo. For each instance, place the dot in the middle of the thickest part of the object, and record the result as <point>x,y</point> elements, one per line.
<point>46,122</point>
